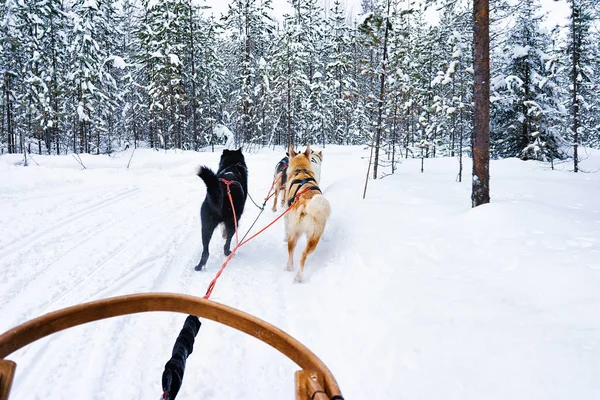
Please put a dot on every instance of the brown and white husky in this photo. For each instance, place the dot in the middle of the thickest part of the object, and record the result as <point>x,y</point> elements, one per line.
<point>309,208</point>
<point>280,174</point>
<point>280,179</point>
<point>316,159</point>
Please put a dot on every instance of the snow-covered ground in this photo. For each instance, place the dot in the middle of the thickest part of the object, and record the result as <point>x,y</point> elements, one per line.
<point>411,294</point>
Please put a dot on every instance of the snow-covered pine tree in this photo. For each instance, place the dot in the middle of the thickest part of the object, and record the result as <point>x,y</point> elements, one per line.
<point>126,121</point>
<point>523,102</point>
<point>11,60</point>
<point>451,82</point>
<point>290,86</point>
<point>89,83</point>
<point>377,29</point>
<point>580,56</point>
<point>252,29</point>
<point>162,45</point>
<point>212,79</point>
<point>339,79</point>
<point>41,26</point>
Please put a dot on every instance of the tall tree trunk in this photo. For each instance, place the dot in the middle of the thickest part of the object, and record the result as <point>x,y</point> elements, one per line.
<point>290,139</point>
<point>394,125</point>
<point>481,100</point>
<point>381,91</point>
<point>574,73</point>
<point>53,92</point>
<point>247,82</point>
<point>12,146</point>
<point>174,131</point>
<point>98,141</point>
<point>453,122</point>
<point>193,66</point>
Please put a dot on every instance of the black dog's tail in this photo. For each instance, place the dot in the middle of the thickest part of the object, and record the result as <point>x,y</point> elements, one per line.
<point>213,186</point>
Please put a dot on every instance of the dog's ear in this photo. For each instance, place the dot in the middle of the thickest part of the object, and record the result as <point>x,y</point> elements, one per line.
<point>320,153</point>
<point>291,152</point>
<point>239,150</point>
<point>307,151</point>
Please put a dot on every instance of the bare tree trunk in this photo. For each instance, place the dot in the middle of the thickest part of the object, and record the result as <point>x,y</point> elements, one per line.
<point>247,83</point>
<point>289,102</point>
<point>394,124</point>
<point>53,94</point>
<point>481,100</point>
<point>98,141</point>
<point>460,147</point>
<point>381,91</point>
<point>463,95</point>
<point>12,147</point>
<point>2,131</point>
<point>174,131</point>
<point>193,65</point>
<point>575,84</point>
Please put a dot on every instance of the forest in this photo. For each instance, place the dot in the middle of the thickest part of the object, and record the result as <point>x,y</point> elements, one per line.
<point>97,76</point>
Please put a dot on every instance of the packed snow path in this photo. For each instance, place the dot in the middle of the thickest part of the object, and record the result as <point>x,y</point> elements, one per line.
<point>411,294</point>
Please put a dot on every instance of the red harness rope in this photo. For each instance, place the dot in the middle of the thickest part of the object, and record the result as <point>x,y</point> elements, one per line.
<point>229,183</point>
<point>269,195</point>
<point>212,284</point>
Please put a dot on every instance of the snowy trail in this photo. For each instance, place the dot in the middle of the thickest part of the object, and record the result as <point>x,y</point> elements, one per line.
<point>410,295</point>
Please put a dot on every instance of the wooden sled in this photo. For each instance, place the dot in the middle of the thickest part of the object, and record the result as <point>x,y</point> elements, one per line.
<point>314,381</point>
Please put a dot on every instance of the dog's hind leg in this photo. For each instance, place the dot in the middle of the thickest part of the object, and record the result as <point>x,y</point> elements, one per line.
<point>283,196</point>
<point>229,232</point>
<point>274,208</point>
<point>311,245</point>
<point>292,240</point>
<point>208,227</point>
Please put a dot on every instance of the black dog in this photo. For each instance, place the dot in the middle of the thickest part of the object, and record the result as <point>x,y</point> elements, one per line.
<point>216,208</point>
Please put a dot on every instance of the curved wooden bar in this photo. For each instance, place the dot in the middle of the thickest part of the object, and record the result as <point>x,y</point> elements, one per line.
<point>56,321</point>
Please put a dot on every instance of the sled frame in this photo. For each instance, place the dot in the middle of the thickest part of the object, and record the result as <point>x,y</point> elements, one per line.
<point>314,376</point>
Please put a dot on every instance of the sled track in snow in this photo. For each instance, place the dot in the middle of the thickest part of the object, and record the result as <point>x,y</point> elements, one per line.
<point>34,238</point>
<point>41,274</point>
<point>165,265</point>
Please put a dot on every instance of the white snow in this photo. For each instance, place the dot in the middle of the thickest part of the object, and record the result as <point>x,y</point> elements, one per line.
<point>174,59</point>
<point>520,51</point>
<point>151,4</point>
<point>221,130</point>
<point>412,294</point>
<point>90,4</point>
<point>360,19</point>
<point>118,62</point>
<point>81,113</point>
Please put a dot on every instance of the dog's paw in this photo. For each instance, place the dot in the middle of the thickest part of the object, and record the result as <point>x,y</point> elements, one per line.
<point>227,252</point>
<point>202,262</point>
<point>298,278</point>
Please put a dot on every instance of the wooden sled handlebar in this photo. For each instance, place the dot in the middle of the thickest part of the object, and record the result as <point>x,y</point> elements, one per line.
<point>314,375</point>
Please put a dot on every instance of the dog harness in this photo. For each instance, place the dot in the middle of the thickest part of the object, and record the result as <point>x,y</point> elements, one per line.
<point>302,182</point>
<point>233,175</point>
<point>282,169</point>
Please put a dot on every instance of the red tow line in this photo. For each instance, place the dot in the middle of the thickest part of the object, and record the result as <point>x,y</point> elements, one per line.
<point>212,284</point>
